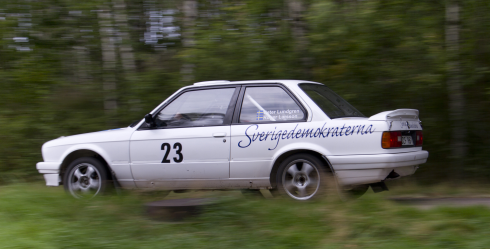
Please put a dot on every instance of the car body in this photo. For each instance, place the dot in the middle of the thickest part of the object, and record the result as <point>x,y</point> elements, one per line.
<point>243,135</point>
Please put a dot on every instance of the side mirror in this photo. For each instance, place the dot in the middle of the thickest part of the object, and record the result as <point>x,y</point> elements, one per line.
<point>149,120</point>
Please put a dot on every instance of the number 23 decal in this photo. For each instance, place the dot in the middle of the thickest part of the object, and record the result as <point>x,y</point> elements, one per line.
<point>166,148</point>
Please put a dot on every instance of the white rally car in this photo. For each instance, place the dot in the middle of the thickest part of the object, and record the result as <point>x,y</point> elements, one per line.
<point>282,135</point>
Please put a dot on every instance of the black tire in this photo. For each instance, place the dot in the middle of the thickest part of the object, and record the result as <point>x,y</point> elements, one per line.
<point>85,178</point>
<point>303,177</point>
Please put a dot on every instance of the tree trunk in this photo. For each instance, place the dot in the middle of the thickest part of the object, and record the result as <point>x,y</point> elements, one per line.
<point>454,87</point>
<point>108,63</point>
<point>81,65</point>
<point>125,50</point>
<point>296,9</point>
<point>190,14</point>
<point>126,54</point>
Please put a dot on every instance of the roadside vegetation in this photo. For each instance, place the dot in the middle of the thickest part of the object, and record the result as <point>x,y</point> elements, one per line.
<point>35,216</point>
<point>69,67</point>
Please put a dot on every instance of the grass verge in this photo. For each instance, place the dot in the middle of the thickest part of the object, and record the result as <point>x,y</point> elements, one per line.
<point>35,216</point>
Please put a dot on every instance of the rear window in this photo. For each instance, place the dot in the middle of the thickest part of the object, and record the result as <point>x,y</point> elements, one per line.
<point>331,103</point>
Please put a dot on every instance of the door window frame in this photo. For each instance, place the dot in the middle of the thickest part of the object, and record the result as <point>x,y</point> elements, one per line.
<point>239,103</point>
<point>228,116</point>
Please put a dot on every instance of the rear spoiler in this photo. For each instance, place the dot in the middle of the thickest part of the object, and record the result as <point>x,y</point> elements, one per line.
<point>397,115</point>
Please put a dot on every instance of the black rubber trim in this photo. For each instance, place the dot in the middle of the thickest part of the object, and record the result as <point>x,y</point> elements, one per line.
<point>238,100</point>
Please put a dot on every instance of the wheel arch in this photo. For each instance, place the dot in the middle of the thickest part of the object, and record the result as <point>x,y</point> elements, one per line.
<point>283,156</point>
<point>75,154</point>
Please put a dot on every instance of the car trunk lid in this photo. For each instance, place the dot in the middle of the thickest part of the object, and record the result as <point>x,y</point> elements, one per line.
<point>397,115</point>
<point>400,119</point>
<point>403,123</point>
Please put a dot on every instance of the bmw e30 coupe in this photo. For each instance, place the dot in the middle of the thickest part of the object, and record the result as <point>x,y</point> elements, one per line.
<point>281,135</point>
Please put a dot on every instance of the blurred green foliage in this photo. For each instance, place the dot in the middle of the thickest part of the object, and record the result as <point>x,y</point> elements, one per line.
<point>379,55</point>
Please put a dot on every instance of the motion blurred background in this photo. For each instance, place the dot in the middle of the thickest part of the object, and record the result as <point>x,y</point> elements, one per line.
<point>69,67</point>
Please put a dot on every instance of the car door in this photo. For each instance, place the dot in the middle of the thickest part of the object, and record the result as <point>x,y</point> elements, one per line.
<point>265,119</point>
<point>189,147</point>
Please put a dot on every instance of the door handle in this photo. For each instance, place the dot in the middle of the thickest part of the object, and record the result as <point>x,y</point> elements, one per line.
<point>219,134</point>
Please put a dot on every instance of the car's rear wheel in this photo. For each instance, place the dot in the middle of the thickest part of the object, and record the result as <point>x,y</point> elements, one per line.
<point>85,177</point>
<point>302,177</point>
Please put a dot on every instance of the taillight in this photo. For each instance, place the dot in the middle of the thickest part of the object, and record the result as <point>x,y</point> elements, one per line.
<point>420,139</point>
<point>391,139</point>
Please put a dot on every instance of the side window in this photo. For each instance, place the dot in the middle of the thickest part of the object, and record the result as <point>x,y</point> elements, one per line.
<point>196,108</point>
<point>266,104</point>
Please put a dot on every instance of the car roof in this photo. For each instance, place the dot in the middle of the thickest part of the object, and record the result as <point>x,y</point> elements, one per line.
<point>227,82</point>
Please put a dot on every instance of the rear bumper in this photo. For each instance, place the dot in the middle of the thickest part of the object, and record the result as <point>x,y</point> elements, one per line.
<point>51,171</point>
<point>364,169</point>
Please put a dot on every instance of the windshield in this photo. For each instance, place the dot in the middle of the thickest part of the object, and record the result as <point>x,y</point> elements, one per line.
<point>331,103</point>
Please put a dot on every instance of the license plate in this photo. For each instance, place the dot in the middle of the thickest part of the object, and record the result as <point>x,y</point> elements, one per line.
<point>407,140</point>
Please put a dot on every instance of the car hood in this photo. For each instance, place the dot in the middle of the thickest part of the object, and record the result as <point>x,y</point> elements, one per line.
<point>113,135</point>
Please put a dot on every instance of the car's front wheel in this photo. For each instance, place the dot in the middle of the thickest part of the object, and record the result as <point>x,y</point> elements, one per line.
<point>85,177</point>
<point>302,177</point>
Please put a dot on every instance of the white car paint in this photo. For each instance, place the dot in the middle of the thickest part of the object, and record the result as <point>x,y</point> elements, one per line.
<point>238,155</point>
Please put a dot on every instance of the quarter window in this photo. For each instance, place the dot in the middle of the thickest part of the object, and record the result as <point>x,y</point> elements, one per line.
<point>269,104</point>
<point>196,108</point>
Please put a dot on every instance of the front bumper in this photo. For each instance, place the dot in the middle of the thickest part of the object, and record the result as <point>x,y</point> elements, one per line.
<point>51,171</point>
<point>365,169</point>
